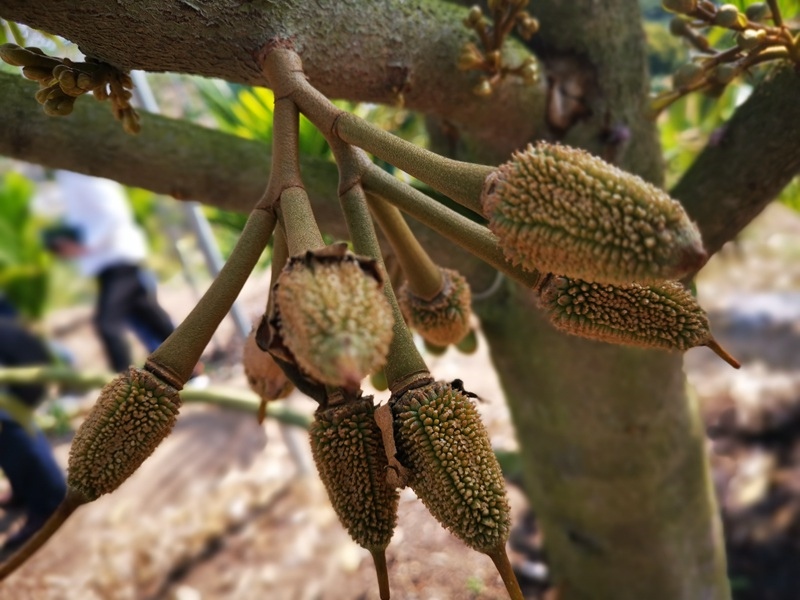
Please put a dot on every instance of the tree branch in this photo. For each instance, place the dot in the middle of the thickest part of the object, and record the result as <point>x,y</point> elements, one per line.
<point>169,156</point>
<point>388,51</point>
<point>742,171</point>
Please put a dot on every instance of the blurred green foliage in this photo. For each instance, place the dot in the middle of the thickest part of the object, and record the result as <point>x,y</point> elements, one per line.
<point>665,52</point>
<point>25,265</point>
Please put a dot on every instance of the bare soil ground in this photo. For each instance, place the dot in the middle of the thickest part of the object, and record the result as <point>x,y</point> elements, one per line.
<point>230,510</point>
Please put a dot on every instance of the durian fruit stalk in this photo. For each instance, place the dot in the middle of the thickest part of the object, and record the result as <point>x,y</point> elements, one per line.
<point>351,460</point>
<point>557,209</point>
<point>665,315</point>
<point>445,447</point>
<point>333,316</point>
<point>133,414</point>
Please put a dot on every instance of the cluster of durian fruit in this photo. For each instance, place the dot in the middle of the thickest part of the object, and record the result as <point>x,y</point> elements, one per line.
<point>331,322</point>
<point>555,210</point>
<point>606,250</point>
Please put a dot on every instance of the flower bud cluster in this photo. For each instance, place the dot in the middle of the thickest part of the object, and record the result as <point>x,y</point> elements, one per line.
<point>755,42</point>
<point>61,81</point>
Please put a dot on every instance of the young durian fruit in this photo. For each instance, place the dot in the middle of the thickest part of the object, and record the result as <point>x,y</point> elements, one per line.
<point>557,209</point>
<point>333,316</point>
<point>133,414</point>
<point>348,451</point>
<point>452,468</point>
<point>443,320</point>
<point>264,375</point>
<point>665,315</point>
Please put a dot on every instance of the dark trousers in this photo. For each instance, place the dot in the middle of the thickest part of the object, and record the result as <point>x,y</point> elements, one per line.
<point>126,299</point>
<point>37,482</point>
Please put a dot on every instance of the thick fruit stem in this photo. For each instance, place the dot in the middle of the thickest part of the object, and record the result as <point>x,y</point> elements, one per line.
<point>69,505</point>
<point>423,276</point>
<point>503,565</point>
<point>177,357</point>
<point>458,180</point>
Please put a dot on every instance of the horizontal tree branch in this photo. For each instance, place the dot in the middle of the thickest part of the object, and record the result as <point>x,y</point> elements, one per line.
<point>177,158</point>
<point>225,397</point>
<point>745,168</point>
<point>170,157</point>
<point>387,51</point>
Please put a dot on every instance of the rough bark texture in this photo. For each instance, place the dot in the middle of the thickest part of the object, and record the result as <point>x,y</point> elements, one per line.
<point>614,461</point>
<point>612,445</point>
<point>613,452</point>
<point>392,51</point>
<point>759,153</point>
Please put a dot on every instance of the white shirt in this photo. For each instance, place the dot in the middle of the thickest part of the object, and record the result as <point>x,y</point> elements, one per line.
<point>99,209</point>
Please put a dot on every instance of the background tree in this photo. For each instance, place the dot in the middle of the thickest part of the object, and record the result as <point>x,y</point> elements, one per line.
<point>612,446</point>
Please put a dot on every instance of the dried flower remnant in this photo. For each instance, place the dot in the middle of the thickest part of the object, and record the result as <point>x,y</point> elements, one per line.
<point>333,316</point>
<point>561,210</point>
<point>444,319</point>
<point>664,316</point>
<point>264,375</point>
<point>348,450</point>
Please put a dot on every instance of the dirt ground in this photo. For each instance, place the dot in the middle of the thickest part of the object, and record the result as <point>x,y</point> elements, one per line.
<point>227,509</point>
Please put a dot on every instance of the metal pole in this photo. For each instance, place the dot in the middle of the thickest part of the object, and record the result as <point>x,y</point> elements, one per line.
<point>197,220</point>
<point>214,262</point>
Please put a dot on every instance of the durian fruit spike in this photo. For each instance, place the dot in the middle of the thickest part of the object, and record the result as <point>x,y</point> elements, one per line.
<point>445,447</point>
<point>333,316</point>
<point>561,210</point>
<point>348,451</point>
<point>133,414</point>
<point>444,319</point>
<point>664,315</point>
<point>264,376</point>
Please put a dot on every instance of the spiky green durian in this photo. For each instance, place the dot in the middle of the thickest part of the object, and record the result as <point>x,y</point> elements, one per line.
<point>561,210</point>
<point>452,468</point>
<point>444,320</point>
<point>333,316</point>
<point>133,414</point>
<point>348,450</point>
<point>665,315</point>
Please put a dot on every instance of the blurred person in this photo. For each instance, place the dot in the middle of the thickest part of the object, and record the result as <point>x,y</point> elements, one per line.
<point>37,482</point>
<point>100,234</point>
